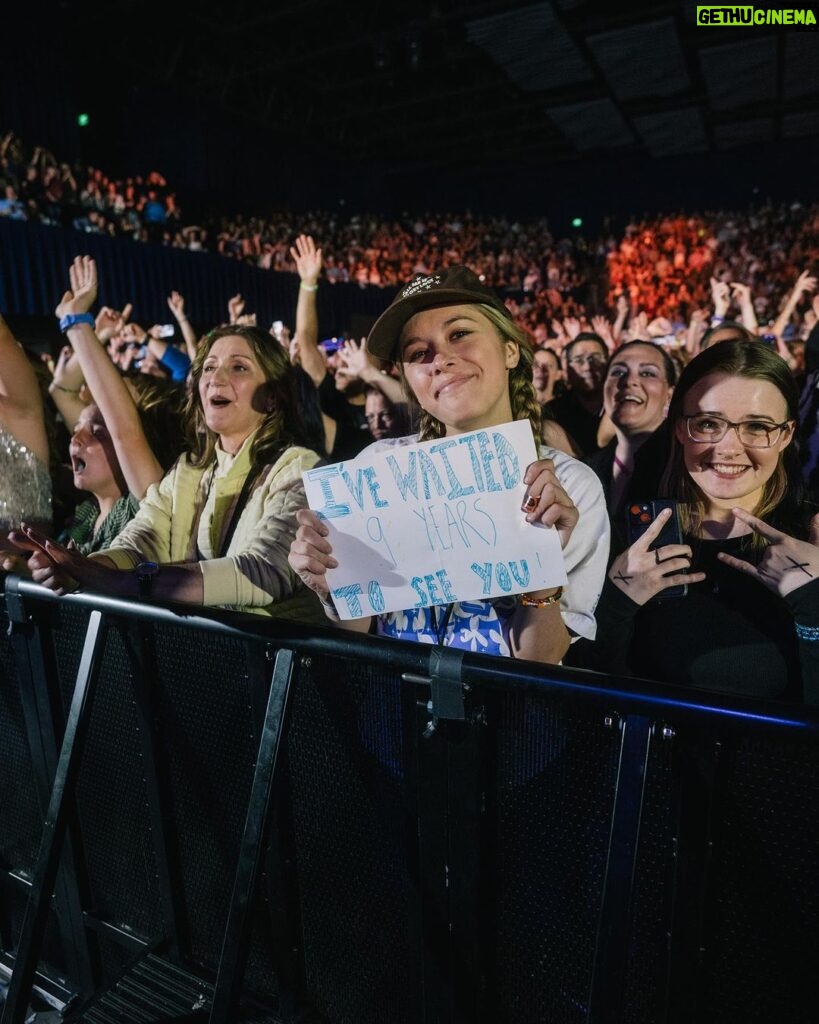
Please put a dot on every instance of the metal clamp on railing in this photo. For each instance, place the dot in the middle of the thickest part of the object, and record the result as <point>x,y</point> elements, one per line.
<point>446,686</point>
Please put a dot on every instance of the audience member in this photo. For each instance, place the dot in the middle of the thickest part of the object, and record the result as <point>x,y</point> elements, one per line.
<point>578,409</point>
<point>749,623</point>
<point>638,387</point>
<point>452,329</point>
<point>217,528</point>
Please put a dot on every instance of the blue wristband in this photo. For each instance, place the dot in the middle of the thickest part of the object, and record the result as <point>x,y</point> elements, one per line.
<point>73,319</point>
<point>809,633</point>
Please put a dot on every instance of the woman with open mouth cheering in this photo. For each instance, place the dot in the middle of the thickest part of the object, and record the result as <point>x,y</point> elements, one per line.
<point>217,528</point>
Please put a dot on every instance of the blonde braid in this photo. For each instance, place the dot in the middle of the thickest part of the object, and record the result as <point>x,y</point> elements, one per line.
<point>525,405</point>
<point>428,427</point>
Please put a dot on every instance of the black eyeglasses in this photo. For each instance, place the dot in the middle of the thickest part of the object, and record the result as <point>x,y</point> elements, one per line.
<point>705,429</point>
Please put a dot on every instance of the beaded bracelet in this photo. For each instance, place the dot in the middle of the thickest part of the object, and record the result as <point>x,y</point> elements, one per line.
<point>809,633</point>
<point>541,602</point>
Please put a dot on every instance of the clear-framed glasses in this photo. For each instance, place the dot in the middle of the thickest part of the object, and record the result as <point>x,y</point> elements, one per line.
<point>594,359</point>
<point>706,429</point>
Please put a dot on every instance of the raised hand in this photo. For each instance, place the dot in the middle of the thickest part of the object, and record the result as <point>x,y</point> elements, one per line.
<point>787,563</point>
<point>639,327</point>
<point>355,358</point>
<point>176,304</point>
<point>741,292</point>
<point>83,277</point>
<point>572,326</point>
<point>601,326</point>
<point>642,573</point>
<point>804,283</point>
<point>235,306</point>
<point>307,259</point>
<point>111,321</point>
<point>246,320</point>
<point>557,327</point>
<point>720,296</point>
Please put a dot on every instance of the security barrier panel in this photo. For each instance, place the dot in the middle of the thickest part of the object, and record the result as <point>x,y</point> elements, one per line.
<point>209,817</point>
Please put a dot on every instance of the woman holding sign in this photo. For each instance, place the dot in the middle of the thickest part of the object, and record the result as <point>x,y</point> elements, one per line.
<point>217,527</point>
<point>749,557</point>
<point>466,366</point>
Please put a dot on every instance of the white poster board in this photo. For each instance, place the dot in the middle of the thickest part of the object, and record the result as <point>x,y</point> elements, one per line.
<point>434,523</point>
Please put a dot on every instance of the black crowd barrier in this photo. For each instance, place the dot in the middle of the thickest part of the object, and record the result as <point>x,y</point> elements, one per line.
<point>217,818</point>
<point>34,260</point>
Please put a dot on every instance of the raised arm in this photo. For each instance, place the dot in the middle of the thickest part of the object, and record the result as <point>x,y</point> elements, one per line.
<point>176,304</point>
<point>747,314</point>
<point>804,283</point>
<point>139,464</point>
<point>67,380</point>
<point>620,320</point>
<point>21,405</point>
<point>358,363</point>
<point>308,264</point>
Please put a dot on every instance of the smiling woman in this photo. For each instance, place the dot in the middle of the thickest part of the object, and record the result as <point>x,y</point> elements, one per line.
<point>217,528</point>
<point>750,620</point>
<point>466,366</point>
<point>636,394</point>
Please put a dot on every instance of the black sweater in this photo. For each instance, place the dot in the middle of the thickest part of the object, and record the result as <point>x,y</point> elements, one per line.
<point>728,634</point>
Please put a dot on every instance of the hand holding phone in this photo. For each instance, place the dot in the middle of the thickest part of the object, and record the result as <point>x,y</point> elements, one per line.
<point>656,565</point>
<point>166,331</point>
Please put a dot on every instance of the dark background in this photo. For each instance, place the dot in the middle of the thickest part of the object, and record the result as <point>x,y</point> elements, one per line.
<point>561,109</point>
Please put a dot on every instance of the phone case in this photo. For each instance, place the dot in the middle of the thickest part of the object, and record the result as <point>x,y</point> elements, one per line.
<point>639,516</point>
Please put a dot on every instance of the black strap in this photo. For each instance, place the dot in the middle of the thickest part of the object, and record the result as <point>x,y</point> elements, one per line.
<point>238,508</point>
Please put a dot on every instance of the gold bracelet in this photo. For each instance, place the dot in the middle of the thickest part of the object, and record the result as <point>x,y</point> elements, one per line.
<point>308,287</point>
<point>541,602</point>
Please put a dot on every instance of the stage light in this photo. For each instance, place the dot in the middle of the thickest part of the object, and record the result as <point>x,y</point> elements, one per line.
<point>577,222</point>
<point>82,120</point>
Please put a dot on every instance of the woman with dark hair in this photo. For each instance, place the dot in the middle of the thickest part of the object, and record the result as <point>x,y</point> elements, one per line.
<point>466,366</point>
<point>217,528</point>
<point>749,622</point>
<point>636,393</point>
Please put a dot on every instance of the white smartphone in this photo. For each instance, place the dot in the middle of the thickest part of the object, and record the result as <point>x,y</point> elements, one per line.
<point>166,331</point>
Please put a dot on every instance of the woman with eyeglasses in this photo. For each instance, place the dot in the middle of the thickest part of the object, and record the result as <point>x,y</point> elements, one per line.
<point>749,621</point>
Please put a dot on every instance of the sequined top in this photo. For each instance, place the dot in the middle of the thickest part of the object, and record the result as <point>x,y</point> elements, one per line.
<point>25,484</point>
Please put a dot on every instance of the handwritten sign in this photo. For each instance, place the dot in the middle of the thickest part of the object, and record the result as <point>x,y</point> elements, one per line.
<point>433,523</point>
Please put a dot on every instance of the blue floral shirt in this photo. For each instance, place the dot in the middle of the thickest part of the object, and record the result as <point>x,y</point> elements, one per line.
<point>481,626</point>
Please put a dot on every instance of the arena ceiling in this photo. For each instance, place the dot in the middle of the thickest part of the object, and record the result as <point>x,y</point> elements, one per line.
<point>439,83</point>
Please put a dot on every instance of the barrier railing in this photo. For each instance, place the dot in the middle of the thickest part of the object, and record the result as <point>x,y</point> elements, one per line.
<point>213,817</point>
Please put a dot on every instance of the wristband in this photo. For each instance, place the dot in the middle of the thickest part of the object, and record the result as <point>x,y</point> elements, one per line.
<point>541,602</point>
<point>308,287</point>
<point>68,391</point>
<point>72,319</point>
<point>717,319</point>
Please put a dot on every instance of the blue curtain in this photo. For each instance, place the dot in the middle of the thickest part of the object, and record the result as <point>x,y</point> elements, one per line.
<point>34,262</point>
